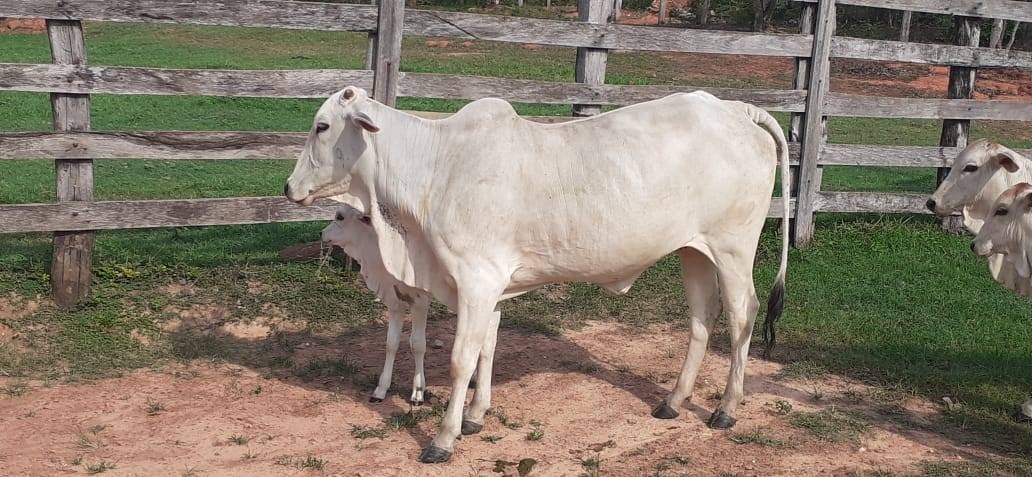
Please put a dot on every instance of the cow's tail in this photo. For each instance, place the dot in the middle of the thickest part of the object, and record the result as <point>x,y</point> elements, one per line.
<point>776,302</point>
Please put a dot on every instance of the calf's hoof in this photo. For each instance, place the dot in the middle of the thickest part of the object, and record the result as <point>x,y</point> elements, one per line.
<point>434,455</point>
<point>375,399</point>
<point>416,402</point>
<point>720,420</point>
<point>664,411</point>
<point>470,427</point>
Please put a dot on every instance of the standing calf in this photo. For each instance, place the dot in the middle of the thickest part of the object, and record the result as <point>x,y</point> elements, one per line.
<point>1008,232</point>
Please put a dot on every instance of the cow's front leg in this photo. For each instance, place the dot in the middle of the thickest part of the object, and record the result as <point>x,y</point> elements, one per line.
<point>473,419</point>
<point>417,341</point>
<point>473,326</point>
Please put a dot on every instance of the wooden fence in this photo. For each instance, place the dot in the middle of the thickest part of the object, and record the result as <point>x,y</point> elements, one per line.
<point>70,81</point>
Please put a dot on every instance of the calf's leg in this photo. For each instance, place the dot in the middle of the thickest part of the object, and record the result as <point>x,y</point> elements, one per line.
<point>395,320</point>
<point>417,341</point>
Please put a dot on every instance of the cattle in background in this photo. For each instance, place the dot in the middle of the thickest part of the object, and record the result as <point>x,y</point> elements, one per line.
<point>979,174</point>
<point>484,205</point>
<point>1008,232</point>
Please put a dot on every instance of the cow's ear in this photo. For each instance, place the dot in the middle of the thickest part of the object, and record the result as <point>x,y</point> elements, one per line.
<point>1006,158</point>
<point>363,121</point>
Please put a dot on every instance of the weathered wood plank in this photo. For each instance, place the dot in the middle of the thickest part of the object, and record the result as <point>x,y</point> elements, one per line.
<point>809,182</point>
<point>1006,9</point>
<point>904,26</point>
<point>322,83</point>
<point>862,48</point>
<point>428,85</point>
<point>157,213</point>
<point>70,275</point>
<point>841,104</point>
<point>81,79</point>
<point>802,71</point>
<point>117,215</point>
<point>388,50</point>
<point>590,68</point>
<point>247,13</point>
<point>471,26</point>
<point>899,156</point>
<point>872,202</point>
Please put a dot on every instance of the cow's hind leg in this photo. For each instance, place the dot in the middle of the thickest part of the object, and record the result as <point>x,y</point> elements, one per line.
<point>473,419</point>
<point>417,341</point>
<point>740,304</point>
<point>476,305</point>
<point>700,286</point>
<point>395,320</point>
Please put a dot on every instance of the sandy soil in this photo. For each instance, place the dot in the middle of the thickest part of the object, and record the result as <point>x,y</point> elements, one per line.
<point>591,390</point>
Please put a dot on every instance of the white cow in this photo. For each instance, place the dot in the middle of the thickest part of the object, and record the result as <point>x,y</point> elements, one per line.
<point>979,174</point>
<point>352,231</point>
<point>484,205</point>
<point>1008,232</point>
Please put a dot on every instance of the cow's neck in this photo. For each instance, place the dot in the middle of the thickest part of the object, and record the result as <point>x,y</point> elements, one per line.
<point>398,171</point>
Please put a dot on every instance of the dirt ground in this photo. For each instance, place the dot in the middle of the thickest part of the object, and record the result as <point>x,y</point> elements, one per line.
<point>589,391</point>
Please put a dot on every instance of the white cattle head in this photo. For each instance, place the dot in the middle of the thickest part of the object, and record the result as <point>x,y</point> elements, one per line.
<point>335,144</point>
<point>1008,229</point>
<point>973,168</point>
<point>350,227</point>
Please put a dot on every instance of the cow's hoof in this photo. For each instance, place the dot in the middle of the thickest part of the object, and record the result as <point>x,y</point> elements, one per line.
<point>375,399</point>
<point>1021,417</point>
<point>720,420</point>
<point>664,411</point>
<point>434,455</point>
<point>416,402</point>
<point>470,427</point>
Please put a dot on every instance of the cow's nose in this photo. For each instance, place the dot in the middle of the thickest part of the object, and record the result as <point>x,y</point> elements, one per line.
<point>286,190</point>
<point>972,246</point>
<point>930,204</point>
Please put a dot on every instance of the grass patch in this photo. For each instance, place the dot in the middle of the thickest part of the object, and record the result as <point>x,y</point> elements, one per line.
<point>802,370</point>
<point>154,408</point>
<point>757,437</point>
<point>99,467</point>
<point>239,440</point>
<point>491,439</point>
<point>830,425</point>
<point>978,468</point>
<point>367,432</point>
<point>308,462</point>
<point>408,420</point>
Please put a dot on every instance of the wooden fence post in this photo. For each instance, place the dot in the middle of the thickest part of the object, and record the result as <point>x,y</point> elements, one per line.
<point>813,129</point>
<point>370,59</point>
<point>966,32</point>
<point>591,62</point>
<point>390,25</point>
<point>904,26</point>
<point>663,5</point>
<point>70,275</point>
<point>802,71</point>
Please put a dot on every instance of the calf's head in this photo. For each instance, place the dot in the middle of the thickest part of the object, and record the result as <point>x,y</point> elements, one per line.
<point>1008,229</point>
<point>349,227</point>
<point>973,168</point>
<point>336,142</point>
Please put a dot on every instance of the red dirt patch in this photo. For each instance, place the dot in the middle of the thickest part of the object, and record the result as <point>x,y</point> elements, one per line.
<point>23,25</point>
<point>590,390</point>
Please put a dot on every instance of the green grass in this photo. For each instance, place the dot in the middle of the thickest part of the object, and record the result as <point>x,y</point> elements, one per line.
<point>827,425</point>
<point>888,300</point>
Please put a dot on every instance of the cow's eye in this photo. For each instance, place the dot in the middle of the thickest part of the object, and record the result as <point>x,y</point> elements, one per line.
<point>1000,212</point>
<point>970,168</point>
<point>366,220</point>
<point>339,216</point>
<point>320,127</point>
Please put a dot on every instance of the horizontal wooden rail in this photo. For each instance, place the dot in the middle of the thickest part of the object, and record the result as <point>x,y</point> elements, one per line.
<point>141,214</point>
<point>469,26</point>
<point>426,85</point>
<point>472,26</point>
<point>872,202</point>
<point>179,145</point>
<point>49,78</point>
<point>898,156</point>
<point>246,13</point>
<point>81,79</point>
<point>1005,9</point>
<point>840,104</point>
<point>884,50</point>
